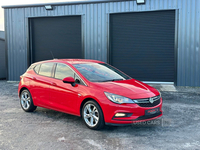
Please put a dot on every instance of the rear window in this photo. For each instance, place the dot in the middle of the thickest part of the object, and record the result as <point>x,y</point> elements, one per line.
<point>45,69</point>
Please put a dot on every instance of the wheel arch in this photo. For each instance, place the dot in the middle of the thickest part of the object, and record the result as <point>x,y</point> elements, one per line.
<point>23,88</point>
<point>86,100</point>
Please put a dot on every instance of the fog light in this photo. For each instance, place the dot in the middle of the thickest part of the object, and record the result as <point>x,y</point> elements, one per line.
<point>120,114</point>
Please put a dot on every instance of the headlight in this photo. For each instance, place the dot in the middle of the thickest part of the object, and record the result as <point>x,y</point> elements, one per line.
<point>117,98</point>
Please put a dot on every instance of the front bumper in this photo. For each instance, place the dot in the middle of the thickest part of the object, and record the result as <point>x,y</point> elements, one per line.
<point>138,113</point>
<point>139,119</point>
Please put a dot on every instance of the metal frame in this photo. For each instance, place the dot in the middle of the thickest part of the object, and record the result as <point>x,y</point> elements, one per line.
<point>82,35</point>
<point>175,41</point>
<point>29,36</point>
<point>108,40</point>
<point>176,46</point>
<point>29,42</point>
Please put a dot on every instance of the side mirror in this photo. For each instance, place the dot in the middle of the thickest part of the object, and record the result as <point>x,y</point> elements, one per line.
<point>69,80</point>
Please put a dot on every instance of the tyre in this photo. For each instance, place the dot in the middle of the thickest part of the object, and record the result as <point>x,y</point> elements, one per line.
<point>92,115</point>
<point>26,101</point>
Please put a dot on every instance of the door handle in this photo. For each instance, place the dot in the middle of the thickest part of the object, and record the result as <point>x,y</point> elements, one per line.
<point>53,84</point>
<point>33,78</point>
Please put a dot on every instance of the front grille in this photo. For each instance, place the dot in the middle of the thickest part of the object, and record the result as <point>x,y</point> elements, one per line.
<point>146,102</point>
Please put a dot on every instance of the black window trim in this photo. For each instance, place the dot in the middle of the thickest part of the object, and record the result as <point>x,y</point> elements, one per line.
<point>54,70</point>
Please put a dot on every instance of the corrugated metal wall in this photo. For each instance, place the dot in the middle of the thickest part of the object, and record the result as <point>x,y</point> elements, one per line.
<point>95,32</point>
<point>2,60</point>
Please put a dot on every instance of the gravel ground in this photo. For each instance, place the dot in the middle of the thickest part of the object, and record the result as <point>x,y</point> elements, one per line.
<point>179,128</point>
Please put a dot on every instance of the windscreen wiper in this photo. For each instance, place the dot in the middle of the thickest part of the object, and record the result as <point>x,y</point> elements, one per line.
<point>112,80</point>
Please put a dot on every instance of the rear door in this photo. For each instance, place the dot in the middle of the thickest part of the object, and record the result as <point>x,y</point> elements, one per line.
<point>40,84</point>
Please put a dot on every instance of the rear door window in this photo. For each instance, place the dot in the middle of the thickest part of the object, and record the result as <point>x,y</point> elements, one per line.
<point>46,69</point>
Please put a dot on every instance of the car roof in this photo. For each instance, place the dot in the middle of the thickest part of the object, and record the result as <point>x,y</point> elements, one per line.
<point>71,61</point>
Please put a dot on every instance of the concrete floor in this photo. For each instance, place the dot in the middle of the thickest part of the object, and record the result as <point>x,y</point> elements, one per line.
<point>179,128</point>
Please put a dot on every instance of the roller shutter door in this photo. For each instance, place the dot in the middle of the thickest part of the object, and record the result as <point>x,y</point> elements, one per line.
<point>142,44</point>
<point>59,35</point>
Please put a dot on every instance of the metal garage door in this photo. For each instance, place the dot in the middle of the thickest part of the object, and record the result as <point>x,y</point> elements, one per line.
<point>59,35</point>
<point>142,44</point>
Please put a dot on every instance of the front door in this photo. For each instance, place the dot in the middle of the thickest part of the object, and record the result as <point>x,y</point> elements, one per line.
<point>63,96</point>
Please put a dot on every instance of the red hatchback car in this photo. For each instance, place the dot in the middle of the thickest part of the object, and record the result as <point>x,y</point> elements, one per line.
<point>93,90</point>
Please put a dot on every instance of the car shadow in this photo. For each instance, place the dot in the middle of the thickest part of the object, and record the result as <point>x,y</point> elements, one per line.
<point>55,116</point>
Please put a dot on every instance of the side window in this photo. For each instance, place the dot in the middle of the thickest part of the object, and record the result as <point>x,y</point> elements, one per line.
<point>36,68</point>
<point>63,71</point>
<point>45,69</point>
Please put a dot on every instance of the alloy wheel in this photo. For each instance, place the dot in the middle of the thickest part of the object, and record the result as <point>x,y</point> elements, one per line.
<point>25,100</point>
<point>91,115</point>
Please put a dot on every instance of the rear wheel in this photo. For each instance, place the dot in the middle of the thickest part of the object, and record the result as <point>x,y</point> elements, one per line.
<point>26,101</point>
<point>93,115</point>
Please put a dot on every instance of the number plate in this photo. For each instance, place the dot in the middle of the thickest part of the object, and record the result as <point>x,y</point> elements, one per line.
<point>152,111</point>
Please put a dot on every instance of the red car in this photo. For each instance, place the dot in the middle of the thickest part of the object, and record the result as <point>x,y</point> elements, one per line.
<point>94,90</point>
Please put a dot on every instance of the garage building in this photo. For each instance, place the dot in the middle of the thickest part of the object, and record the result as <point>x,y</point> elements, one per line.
<point>154,41</point>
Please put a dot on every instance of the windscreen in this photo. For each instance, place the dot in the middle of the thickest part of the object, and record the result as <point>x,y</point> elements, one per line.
<point>100,72</point>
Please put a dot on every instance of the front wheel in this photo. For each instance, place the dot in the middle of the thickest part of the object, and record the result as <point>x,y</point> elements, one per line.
<point>93,115</point>
<point>26,101</point>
